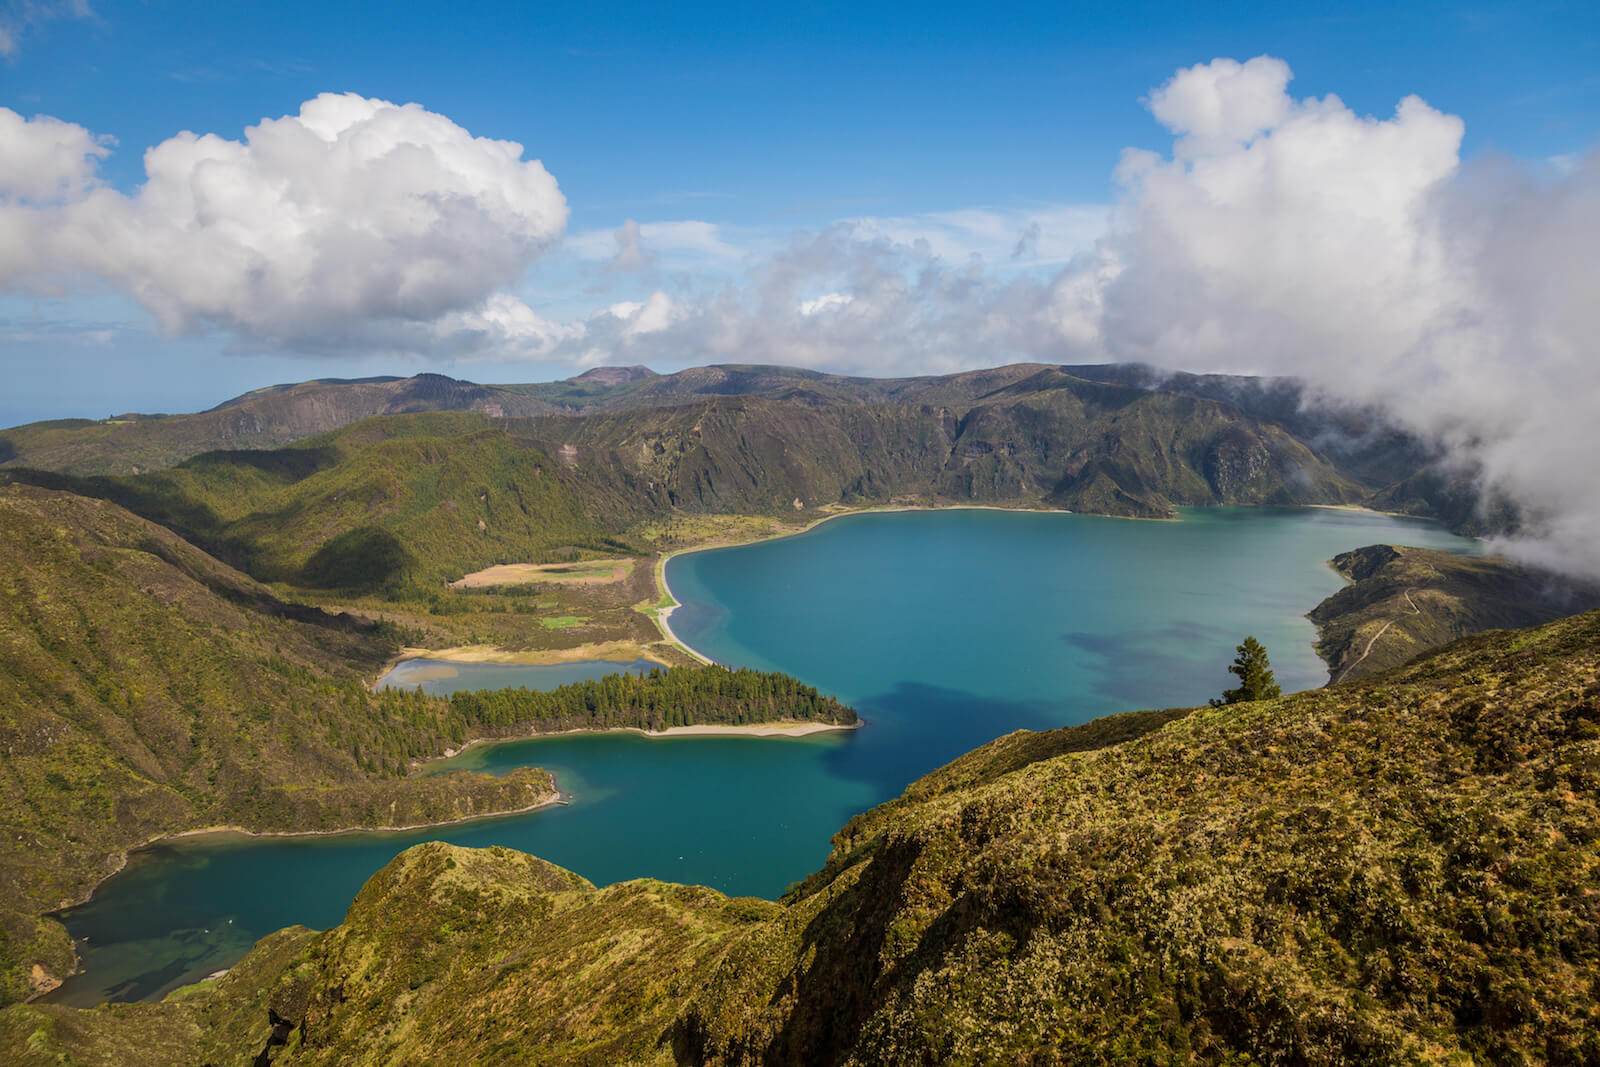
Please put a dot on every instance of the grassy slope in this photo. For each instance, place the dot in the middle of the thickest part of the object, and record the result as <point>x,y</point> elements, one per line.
<point>1404,869</point>
<point>1403,601</point>
<point>403,499</point>
<point>1098,466</point>
<point>146,688</point>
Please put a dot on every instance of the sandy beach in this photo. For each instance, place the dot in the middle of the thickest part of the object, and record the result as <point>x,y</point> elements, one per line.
<point>766,729</point>
<point>782,728</point>
<point>628,651</point>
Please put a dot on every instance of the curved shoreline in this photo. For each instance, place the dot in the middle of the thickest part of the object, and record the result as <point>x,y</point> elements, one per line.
<point>618,652</point>
<point>228,830</point>
<point>662,615</point>
<point>122,855</point>
<point>789,728</point>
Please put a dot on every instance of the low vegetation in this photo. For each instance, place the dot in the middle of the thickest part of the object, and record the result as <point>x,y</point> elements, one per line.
<point>1401,869</point>
<point>397,505</point>
<point>146,688</point>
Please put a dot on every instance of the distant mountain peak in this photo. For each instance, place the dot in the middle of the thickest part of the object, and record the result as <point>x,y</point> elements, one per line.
<point>614,375</point>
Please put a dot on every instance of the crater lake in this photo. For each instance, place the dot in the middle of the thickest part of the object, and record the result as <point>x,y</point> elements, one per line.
<point>944,629</point>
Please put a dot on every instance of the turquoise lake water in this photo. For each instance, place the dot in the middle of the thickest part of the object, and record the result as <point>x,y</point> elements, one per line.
<point>944,629</point>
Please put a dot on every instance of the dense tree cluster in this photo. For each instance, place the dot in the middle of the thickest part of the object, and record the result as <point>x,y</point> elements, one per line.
<point>678,696</point>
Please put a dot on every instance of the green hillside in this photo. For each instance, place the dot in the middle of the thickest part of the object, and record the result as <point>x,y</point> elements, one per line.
<point>1402,869</point>
<point>1121,439</point>
<point>404,499</point>
<point>1035,436</point>
<point>146,688</point>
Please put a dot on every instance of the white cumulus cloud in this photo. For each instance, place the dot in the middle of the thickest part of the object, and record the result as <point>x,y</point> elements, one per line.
<point>47,159</point>
<point>504,327</point>
<point>354,218</point>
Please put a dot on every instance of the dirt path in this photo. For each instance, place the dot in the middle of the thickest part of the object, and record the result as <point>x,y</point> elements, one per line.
<point>1348,667</point>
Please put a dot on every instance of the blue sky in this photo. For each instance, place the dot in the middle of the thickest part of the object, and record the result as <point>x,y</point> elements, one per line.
<point>733,134</point>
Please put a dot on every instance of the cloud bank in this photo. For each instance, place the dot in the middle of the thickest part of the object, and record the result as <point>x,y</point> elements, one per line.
<point>1296,237</point>
<point>354,221</point>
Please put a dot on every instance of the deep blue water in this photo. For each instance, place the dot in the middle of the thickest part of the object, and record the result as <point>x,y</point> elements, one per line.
<point>944,629</point>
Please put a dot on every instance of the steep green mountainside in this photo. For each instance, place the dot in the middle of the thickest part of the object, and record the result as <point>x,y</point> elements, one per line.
<point>1403,601</point>
<point>146,688</point>
<point>1045,439</point>
<point>283,414</point>
<point>1410,476</point>
<point>1401,869</point>
<point>266,418</point>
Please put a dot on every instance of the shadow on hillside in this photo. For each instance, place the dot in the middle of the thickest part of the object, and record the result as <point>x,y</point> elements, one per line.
<point>289,464</point>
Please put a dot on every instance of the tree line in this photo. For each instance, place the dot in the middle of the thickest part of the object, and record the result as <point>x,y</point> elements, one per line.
<point>676,696</point>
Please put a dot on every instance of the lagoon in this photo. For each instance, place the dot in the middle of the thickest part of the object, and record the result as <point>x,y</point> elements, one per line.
<point>440,678</point>
<point>944,629</point>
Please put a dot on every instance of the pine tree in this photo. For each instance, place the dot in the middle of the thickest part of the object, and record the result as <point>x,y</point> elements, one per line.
<point>1255,676</point>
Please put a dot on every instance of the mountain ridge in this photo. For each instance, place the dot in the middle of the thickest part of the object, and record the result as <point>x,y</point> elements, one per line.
<point>436,495</point>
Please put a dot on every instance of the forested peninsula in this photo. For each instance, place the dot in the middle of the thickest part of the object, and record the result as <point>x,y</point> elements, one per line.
<point>663,699</point>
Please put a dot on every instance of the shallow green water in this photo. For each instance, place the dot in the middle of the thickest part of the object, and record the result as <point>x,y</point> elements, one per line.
<point>443,677</point>
<point>944,629</point>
